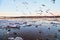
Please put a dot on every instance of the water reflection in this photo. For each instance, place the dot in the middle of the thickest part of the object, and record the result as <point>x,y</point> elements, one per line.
<point>29,30</point>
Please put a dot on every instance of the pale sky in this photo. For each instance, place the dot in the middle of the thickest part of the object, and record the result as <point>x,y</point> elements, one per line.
<point>28,7</point>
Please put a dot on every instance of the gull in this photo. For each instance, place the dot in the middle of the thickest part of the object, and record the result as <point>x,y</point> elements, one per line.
<point>25,3</point>
<point>53,1</point>
<point>43,5</point>
<point>47,11</point>
<point>51,13</point>
<point>14,0</point>
<point>40,11</point>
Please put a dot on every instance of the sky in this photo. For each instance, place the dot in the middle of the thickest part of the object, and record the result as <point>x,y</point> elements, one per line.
<point>29,7</point>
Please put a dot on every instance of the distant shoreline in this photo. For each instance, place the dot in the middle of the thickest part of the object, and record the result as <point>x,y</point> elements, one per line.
<point>30,17</point>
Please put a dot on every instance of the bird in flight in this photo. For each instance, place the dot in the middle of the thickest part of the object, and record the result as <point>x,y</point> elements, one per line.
<point>43,5</point>
<point>14,0</point>
<point>53,1</point>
